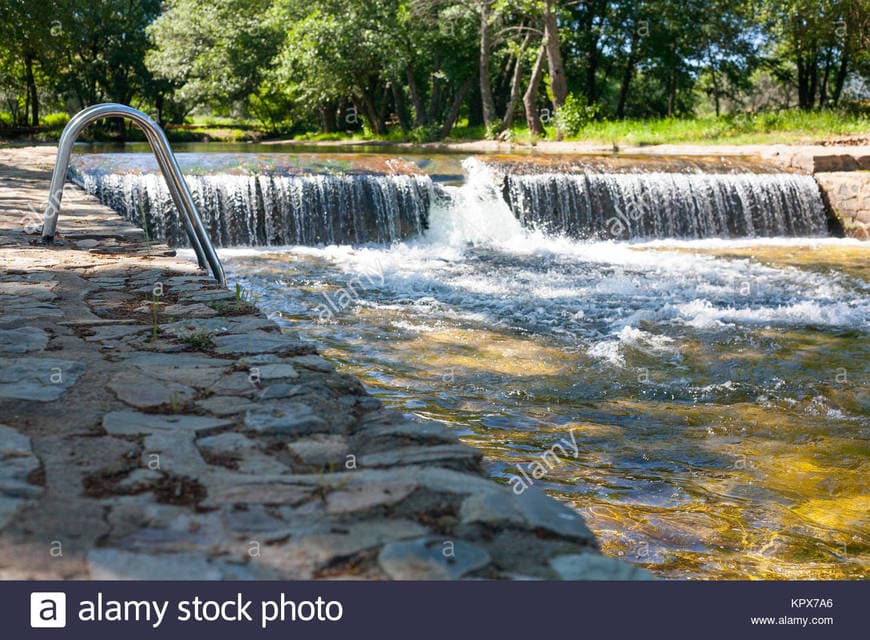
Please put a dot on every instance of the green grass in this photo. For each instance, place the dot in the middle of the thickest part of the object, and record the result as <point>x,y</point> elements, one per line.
<point>789,127</point>
<point>792,126</point>
<point>198,341</point>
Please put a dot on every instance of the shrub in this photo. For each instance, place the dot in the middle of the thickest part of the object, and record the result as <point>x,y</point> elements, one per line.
<point>56,120</point>
<point>575,114</point>
<point>493,130</point>
<point>424,133</point>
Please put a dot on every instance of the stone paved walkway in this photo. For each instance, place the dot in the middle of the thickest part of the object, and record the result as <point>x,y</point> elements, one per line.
<point>156,426</point>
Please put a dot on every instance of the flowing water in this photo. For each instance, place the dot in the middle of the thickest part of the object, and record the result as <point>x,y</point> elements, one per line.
<point>716,389</point>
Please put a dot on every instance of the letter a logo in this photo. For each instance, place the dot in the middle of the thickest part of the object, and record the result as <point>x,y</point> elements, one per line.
<point>48,610</point>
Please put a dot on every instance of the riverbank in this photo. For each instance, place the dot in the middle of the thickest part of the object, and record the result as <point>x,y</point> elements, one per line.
<point>157,426</point>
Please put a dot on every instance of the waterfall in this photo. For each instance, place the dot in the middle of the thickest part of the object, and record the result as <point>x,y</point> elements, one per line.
<point>667,205</point>
<point>273,209</point>
<point>497,202</point>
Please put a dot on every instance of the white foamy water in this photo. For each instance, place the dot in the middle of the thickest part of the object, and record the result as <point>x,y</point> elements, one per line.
<point>477,264</point>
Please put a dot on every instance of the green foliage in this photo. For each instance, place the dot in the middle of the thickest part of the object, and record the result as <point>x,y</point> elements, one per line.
<point>56,120</point>
<point>411,69</point>
<point>575,114</point>
<point>213,52</point>
<point>424,133</point>
<point>198,341</point>
<point>788,126</point>
<point>492,131</point>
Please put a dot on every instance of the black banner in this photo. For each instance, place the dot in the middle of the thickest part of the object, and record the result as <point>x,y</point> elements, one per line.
<point>442,610</point>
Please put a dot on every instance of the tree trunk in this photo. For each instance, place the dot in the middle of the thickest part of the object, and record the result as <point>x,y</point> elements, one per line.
<point>158,104</point>
<point>530,97</point>
<point>591,70</point>
<point>823,86</point>
<point>383,107</point>
<point>803,84</point>
<point>488,104</point>
<point>376,124</point>
<point>626,77</point>
<point>31,89</point>
<point>416,99</point>
<point>399,104</point>
<point>511,108</point>
<point>434,96</point>
<point>558,82</point>
<point>453,114</point>
<point>592,56</point>
<point>814,80</point>
<point>327,118</point>
<point>840,80</point>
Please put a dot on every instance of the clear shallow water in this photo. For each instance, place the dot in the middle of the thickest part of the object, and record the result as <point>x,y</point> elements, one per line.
<point>719,401</point>
<point>716,390</point>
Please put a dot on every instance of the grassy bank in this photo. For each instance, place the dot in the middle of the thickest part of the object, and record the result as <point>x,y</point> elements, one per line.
<point>782,127</point>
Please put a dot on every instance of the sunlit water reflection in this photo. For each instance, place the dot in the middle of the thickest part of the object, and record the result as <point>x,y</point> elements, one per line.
<point>719,401</point>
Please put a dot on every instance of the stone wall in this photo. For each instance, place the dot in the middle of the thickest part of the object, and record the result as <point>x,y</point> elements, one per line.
<point>847,194</point>
<point>843,174</point>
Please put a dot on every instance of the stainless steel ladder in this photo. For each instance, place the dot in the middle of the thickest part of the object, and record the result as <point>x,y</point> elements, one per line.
<point>198,236</point>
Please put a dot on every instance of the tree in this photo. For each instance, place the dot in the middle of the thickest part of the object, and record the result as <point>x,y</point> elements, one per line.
<point>104,46</point>
<point>28,47</point>
<point>213,51</point>
<point>819,40</point>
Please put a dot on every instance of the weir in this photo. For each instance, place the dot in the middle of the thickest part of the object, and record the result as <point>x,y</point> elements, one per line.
<point>668,205</point>
<point>275,210</point>
<point>596,199</point>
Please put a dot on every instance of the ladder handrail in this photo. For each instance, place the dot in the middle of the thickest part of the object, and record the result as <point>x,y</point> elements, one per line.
<point>196,232</point>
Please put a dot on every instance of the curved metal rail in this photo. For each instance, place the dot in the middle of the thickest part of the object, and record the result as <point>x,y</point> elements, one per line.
<point>198,236</point>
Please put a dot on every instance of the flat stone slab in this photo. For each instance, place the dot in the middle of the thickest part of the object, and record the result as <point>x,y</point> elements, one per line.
<point>142,391</point>
<point>533,508</point>
<point>113,332</point>
<point>176,453</point>
<point>421,455</point>
<point>190,369</point>
<point>37,379</point>
<point>37,291</point>
<point>258,342</point>
<point>216,326</point>
<point>240,453</point>
<point>321,449</point>
<point>114,564</point>
<point>225,405</point>
<point>258,493</point>
<point>588,566</point>
<point>313,362</point>
<point>280,390</point>
<point>17,462</point>
<point>273,371</point>
<point>136,423</point>
<point>22,340</point>
<point>196,310</point>
<point>431,558</point>
<point>367,496</point>
<point>288,418</point>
